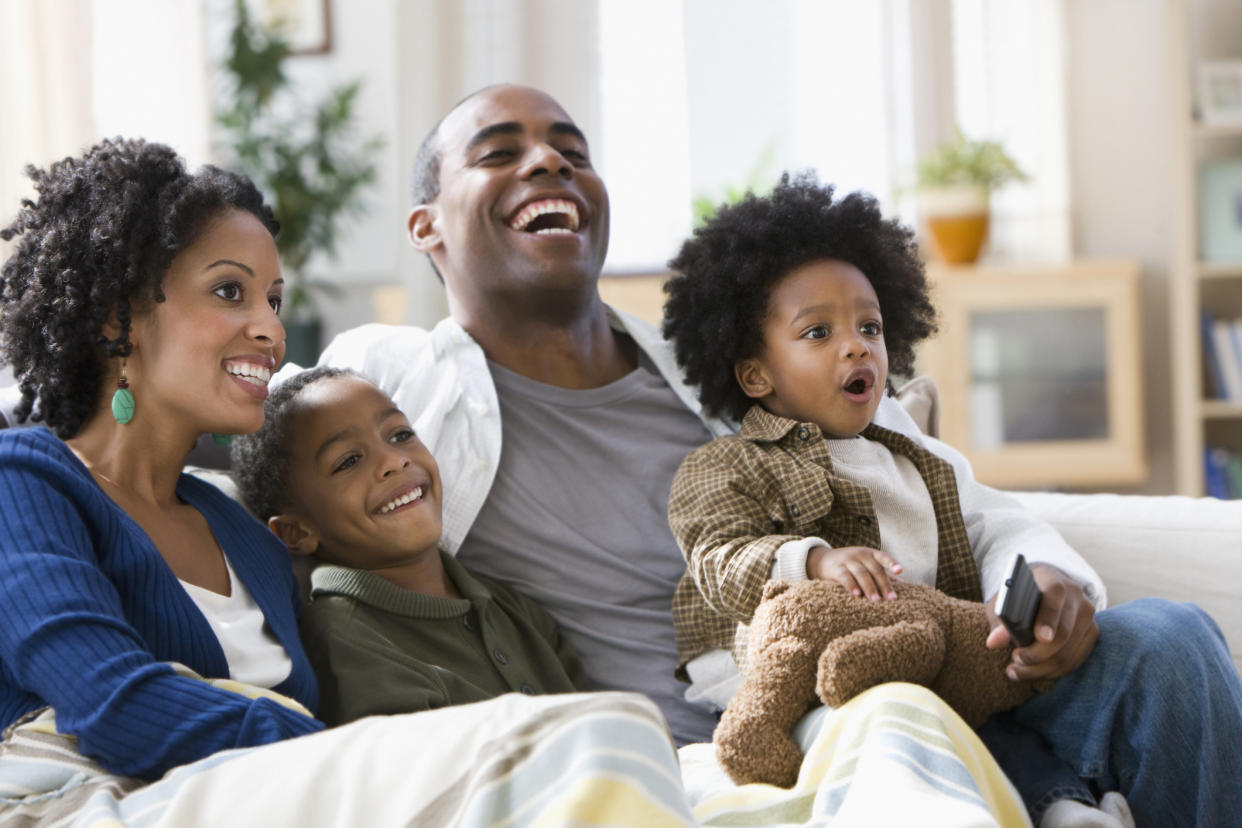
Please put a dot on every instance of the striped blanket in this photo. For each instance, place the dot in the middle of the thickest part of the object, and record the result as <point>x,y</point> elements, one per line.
<point>895,755</point>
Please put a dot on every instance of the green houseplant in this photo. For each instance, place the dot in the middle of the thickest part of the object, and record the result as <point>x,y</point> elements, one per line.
<point>955,183</point>
<point>306,160</point>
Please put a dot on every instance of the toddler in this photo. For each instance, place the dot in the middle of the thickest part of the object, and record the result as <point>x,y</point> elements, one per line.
<point>789,311</point>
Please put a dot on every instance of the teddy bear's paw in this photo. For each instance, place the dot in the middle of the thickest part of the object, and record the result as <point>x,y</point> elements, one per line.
<point>910,651</point>
<point>765,756</point>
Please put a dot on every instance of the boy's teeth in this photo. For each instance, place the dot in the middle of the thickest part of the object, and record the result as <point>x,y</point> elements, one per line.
<point>401,501</point>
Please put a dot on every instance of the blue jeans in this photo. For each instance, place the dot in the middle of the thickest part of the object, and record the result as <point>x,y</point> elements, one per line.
<point>1154,712</point>
<point>1040,776</point>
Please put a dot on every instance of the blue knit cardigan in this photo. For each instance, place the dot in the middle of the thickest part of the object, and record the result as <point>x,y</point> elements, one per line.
<point>90,613</point>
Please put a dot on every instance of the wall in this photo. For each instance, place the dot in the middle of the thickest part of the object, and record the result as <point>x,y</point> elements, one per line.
<point>1121,173</point>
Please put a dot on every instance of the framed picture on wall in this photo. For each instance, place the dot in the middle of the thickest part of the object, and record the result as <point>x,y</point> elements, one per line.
<point>1220,92</point>
<point>306,24</point>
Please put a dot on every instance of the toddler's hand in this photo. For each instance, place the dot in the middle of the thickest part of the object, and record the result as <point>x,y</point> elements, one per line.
<point>860,569</point>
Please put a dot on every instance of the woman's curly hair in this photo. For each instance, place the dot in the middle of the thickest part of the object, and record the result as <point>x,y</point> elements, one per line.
<point>95,243</point>
<point>724,275</point>
<point>260,461</point>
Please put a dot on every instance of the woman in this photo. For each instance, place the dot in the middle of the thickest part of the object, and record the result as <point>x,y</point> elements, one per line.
<point>139,311</point>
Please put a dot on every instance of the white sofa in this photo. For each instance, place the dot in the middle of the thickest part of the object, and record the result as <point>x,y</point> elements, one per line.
<point>1180,548</point>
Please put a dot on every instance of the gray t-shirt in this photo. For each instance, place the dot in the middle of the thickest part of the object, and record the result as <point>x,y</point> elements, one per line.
<point>577,519</point>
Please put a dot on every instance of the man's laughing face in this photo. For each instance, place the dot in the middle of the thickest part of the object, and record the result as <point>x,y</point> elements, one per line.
<point>520,207</point>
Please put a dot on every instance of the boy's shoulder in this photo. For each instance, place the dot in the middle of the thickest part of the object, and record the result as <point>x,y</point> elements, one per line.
<point>511,600</point>
<point>326,610</point>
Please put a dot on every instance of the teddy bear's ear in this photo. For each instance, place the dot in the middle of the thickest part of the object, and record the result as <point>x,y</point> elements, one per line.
<point>773,588</point>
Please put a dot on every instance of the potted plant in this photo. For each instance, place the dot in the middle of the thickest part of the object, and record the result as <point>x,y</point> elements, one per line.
<point>306,160</point>
<point>955,183</point>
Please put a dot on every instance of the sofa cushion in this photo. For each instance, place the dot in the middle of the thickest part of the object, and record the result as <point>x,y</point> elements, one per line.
<point>921,401</point>
<point>1180,548</point>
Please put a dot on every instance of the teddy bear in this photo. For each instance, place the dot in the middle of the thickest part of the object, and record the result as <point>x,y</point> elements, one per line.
<point>814,638</point>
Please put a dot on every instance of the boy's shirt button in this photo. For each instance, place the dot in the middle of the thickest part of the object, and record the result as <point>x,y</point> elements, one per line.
<point>528,690</point>
<point>803,433</point>
<point>465,619</point>
<point>500,657</point>
<point>864,520</point>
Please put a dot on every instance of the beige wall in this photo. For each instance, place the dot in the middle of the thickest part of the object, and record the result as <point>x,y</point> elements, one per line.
<point>1121,173</point>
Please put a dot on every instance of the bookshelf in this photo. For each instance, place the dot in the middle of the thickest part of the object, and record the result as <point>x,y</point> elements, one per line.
<point>1199,31</point>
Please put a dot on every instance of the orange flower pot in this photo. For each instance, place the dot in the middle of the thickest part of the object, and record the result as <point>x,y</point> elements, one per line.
<point>954,222</point>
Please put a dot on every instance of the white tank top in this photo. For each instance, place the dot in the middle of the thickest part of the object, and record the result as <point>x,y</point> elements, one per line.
<point>252,651</point>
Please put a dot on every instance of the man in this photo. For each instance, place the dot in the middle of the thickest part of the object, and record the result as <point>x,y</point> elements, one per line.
<point>558,424</point>
<point>515,220</point>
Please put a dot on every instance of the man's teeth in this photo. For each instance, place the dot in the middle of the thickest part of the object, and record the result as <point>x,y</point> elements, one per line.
<point>248,371</point>
<point>540,208</point>
<point>401,501</point>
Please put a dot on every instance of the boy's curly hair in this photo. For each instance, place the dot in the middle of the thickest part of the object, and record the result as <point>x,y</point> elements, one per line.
<point>724,275</point>
<point>97,241</point>
<point>260,461</point>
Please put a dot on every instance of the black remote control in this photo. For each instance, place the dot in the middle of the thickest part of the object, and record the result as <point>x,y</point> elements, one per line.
<point>1018,602</point>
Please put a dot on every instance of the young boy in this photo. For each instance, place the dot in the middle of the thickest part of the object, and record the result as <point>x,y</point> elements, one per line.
<point>394,625</point>
<point>788,312</point>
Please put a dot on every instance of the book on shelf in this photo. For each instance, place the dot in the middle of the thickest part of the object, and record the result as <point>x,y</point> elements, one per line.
<point>1216,376</point>
<point>1227,347</point>
<point>1235,337</point>
<point>1215,472</point>
<point>1233,474</point>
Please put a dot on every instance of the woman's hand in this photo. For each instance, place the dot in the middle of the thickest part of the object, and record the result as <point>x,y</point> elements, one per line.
<point>1065,629</point>
<point>860,569</point>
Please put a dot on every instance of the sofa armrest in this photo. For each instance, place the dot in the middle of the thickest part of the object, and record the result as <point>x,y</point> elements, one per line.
<point>1180,548</point>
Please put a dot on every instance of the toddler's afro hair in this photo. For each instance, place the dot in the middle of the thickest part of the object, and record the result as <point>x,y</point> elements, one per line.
<point>724,275</point>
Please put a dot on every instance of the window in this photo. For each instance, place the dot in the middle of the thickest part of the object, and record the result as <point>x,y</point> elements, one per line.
<point>703,96</point>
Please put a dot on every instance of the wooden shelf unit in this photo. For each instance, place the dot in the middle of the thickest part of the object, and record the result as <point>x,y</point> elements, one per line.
<point>1198,30</point>
<point>1083,397</point>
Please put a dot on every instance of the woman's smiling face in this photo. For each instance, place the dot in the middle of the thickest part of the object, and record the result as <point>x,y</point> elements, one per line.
<point>205,354</point>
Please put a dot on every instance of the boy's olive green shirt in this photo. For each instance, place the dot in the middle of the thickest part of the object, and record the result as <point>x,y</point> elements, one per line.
<point>377,648</point>
<point>737,499</point>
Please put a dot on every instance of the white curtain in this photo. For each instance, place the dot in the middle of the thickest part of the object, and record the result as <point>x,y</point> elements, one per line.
<point>45,82</point>
<point>45,65</point>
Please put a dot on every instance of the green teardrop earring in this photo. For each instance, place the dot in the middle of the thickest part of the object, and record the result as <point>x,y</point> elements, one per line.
<point>122,399</point>
<point>222,439</point>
